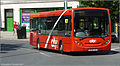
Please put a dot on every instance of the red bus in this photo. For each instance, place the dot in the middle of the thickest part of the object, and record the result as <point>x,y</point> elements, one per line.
<point>78,29</point>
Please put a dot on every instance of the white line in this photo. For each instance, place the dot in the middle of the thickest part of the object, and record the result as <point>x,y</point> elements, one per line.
<point>44,54</point>
<point>38,52</point>
<point>53,28</point>
<point>115,48</point>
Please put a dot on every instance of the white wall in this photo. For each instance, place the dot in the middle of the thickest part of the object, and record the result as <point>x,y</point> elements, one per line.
<point>16,8</point>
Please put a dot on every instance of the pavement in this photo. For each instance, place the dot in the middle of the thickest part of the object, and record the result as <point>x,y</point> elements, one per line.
<point>8,35</point>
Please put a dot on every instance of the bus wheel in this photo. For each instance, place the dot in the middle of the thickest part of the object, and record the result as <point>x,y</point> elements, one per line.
<point>61,47</point>
<point>38,44</point>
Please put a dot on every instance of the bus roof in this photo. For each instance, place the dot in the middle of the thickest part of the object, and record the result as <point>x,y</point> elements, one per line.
<point>59,12</point>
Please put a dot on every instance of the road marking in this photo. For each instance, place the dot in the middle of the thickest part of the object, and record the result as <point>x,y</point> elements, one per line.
<point>115,48</point>
<point>37,52</point>
<point>44,54</point>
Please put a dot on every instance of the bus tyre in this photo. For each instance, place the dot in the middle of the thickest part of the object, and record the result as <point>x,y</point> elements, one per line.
<point>38,44</point>
<point>61,47</point>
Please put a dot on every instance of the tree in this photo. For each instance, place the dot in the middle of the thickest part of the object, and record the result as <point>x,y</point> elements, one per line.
<point>113,7</point>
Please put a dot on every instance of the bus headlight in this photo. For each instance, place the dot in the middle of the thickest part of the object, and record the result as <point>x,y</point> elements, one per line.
<point>107,41</point>
<point>77,42</point>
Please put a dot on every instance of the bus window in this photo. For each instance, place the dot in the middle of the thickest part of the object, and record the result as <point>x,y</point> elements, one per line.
<point>91,23</point>
<point>43,25</point>
<point>33,24</point>
<point>38,26</point>
<point>60,28</point>
<point>63,28</point>
<point>68,26</point>
<point>50,21</point>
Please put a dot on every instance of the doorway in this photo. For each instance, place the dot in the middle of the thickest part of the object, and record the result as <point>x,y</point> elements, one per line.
<point>9,19</point>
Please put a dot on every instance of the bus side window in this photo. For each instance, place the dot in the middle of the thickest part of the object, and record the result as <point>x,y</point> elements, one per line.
<point>38,26</point>
<point>49,23</point>
<point>61,27</point>
<point>33,24</point>
<point>31,20</point>
<point>68,26</point>
<point>43,25</point>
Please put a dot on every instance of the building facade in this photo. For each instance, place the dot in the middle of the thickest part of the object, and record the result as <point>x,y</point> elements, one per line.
<point>19,13</point>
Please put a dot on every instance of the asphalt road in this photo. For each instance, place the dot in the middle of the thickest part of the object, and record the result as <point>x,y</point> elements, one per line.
<point>20,53</point>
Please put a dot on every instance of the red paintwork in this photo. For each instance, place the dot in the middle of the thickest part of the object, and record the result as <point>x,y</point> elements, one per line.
<point>33,38</point>
<point>84,44</point>
<point>69,44</point>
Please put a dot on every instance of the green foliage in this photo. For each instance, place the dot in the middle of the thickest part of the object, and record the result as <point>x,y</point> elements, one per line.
<point>113,7</point>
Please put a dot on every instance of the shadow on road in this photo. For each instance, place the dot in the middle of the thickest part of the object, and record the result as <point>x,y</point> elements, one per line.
<point>9,47</point>
<point>92,53</point>
<point>82,53</point>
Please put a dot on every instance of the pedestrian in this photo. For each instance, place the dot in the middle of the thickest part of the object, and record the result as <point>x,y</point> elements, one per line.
<point>15,28</point>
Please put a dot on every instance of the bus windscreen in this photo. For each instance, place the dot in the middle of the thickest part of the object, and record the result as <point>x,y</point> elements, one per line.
<point>91,23</point>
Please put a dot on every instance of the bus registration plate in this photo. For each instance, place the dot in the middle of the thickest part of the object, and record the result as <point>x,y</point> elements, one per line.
<point>92,49</point>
